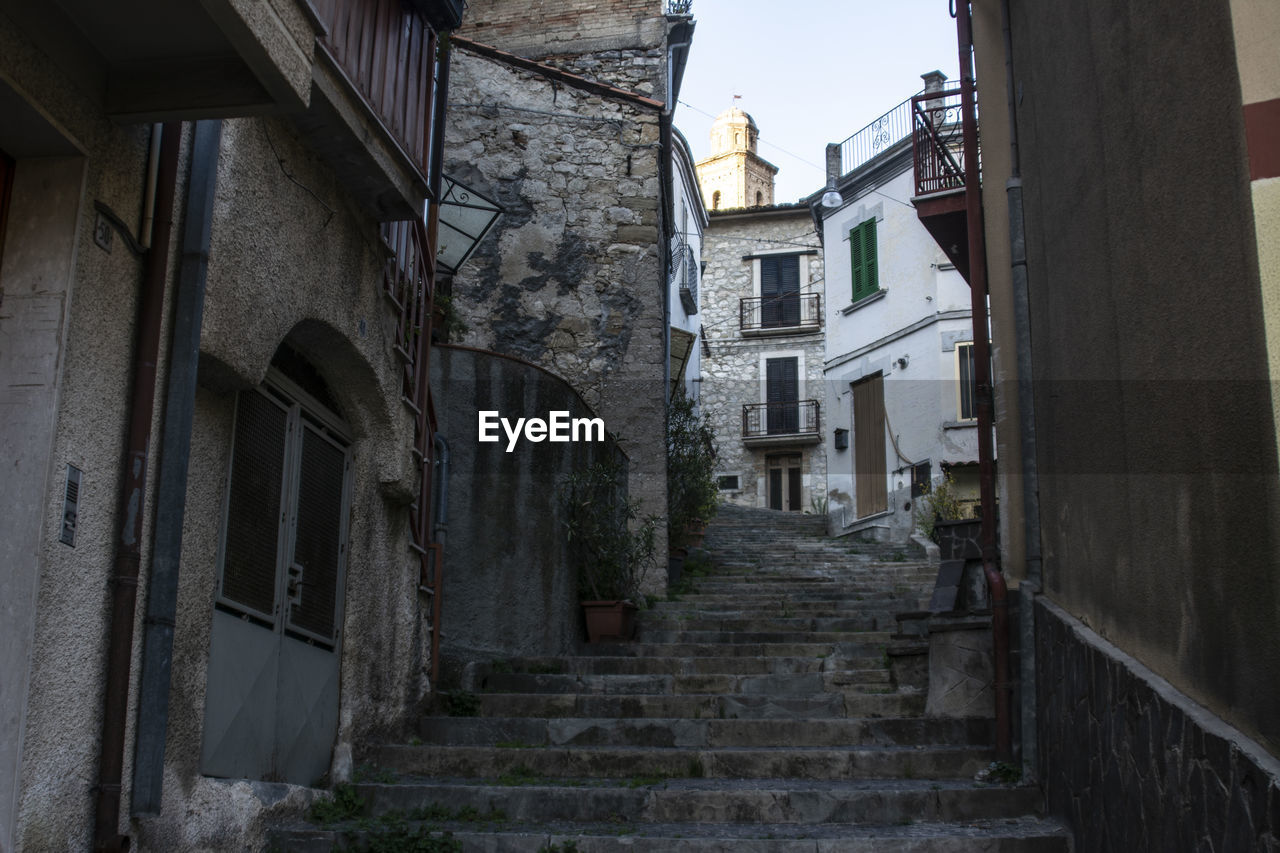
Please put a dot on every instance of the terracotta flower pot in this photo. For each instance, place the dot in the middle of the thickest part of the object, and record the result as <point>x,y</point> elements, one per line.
<point>609,620</point>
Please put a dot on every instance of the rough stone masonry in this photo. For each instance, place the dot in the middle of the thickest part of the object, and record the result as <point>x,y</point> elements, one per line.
<point>571,277</point>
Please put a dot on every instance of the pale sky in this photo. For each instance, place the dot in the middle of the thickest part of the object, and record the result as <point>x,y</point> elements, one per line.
<point>809,72</point>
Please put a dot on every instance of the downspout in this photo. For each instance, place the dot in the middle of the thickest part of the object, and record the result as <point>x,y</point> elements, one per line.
<point>171,486</point>
<point>441,527</point>
<point>664,249</point>
<point>1033,583</point>
<point>132,504</point>
<point>435,172</point>
<point>982,376</point>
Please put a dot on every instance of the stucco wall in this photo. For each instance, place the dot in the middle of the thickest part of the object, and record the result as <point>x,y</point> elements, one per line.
<point>510,586</point>
<point>923,313</point>
<point>571,278</point>
<point>1159,492</point>
<point>285,262</point>
<point>734,372</point>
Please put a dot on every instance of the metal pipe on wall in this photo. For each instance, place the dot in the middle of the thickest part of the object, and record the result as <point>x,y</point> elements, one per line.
<point>171,481</point>
<point>982,376</point>
<point>133,481</point>
<point>1033,583</point>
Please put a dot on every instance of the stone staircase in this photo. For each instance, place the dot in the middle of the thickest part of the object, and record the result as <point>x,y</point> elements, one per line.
<point>759,711</point>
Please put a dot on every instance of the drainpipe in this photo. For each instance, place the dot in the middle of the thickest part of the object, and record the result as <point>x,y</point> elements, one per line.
<point>171,481</point>
<point>441,528</point>
<point>132,503</point>
<point>982,376</point>
<point>435,172</point>
<point>1033,583</point>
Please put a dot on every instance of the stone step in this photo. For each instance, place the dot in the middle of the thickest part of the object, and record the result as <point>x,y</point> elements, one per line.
<point>868,619</point>
<point>861,762</point>
<point>771,801</point>
<point>788,684</point>
<point>683,732</point>
<point>850,703</point>
<point>867,644</point>
<point>874,625</point>
<point>659,664</point>
<point>731,604</point>
<point>1022,835</point>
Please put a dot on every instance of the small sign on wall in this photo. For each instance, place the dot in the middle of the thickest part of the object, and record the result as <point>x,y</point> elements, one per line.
<point>70,507</point>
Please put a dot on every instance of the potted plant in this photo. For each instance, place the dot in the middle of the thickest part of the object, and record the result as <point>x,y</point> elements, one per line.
<point>692,494</point>
<point>612,545</point>
<point>945,522</point>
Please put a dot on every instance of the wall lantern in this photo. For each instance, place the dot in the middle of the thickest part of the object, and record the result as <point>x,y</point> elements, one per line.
<point>465,217</point>
<point>842,439</point>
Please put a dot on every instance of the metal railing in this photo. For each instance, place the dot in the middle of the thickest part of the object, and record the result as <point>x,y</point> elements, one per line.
<point>937,141</point>
<point>802,311</point>
<point>791,417</point>
<point>876,138</point>
<point>388,52</point>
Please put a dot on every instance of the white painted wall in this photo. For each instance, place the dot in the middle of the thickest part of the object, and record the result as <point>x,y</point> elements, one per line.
<point>690,222</point>
<point>907,333</point>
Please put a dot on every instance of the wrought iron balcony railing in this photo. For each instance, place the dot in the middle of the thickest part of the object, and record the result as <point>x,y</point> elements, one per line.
<point>792,417</point>
<point>801,312</point>
<point>937,141</point>
<point>876,138</point>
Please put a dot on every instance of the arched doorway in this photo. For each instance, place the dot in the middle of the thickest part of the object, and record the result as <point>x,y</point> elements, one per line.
<point>271,707</point>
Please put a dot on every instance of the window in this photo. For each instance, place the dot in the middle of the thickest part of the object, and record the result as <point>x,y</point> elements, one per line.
<point>729,482</point>
<point>966,385</point>
<point>715,200</point>
<point>759,198</point>
<point>780,291</point>
<point>862,251</point>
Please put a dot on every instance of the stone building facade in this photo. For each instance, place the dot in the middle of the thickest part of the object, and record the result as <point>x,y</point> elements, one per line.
<point>735,176</point>
<point>762,376</point>
<point>572,278</point>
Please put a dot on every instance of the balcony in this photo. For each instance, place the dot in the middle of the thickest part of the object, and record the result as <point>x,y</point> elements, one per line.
<point>938,156</point>
<point>788,314</point>
<point>373,87</point>
<point>684,271</point>
<point>789,423</point>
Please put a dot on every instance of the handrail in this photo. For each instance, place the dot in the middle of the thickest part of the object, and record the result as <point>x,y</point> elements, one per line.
<point>936,141</point>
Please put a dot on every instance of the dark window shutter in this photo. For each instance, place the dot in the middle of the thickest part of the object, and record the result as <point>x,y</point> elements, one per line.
<point>782,390</point>
<point>254,504</point>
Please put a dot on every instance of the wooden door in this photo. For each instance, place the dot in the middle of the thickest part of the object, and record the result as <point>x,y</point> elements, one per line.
<point>869,466</point>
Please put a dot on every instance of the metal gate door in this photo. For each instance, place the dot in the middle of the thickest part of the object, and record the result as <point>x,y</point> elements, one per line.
<point>271,710</point>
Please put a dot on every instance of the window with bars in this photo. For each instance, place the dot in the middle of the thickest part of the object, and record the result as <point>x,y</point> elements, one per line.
<point>863,260</point>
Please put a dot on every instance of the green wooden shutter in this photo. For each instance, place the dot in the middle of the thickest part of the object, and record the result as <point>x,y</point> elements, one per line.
<point>863,260</point>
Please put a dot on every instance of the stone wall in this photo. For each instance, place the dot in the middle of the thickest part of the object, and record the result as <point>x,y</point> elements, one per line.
<point>510,587</point>
<point>618,42</point>
<point>571,278</point>
<point>732,374</point>
<point>1132,763</point>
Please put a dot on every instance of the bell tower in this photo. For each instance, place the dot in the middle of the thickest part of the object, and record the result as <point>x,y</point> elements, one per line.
<point>735,176</point>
